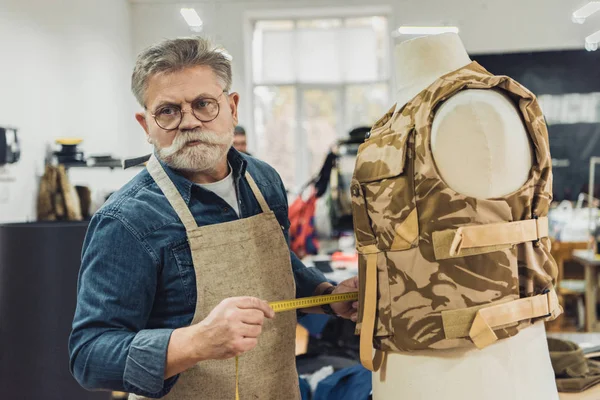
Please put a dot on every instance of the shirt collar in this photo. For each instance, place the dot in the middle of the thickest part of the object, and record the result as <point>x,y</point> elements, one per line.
<point>184,185</point>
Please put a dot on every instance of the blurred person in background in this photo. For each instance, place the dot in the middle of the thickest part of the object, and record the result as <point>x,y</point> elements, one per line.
<point>240,142</point>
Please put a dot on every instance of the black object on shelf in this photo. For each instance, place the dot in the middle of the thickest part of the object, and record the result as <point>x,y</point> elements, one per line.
<point>69,154</point>
<point>10,150</point>
<point>101,161</point>
<point>104,161</point>
<point>85,165</point>
<point>39,265</point>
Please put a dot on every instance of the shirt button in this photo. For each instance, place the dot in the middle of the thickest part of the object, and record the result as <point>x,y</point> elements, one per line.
<point>225,209</point>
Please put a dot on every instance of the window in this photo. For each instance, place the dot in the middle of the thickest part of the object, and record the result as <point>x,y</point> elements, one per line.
<point>313,81</point>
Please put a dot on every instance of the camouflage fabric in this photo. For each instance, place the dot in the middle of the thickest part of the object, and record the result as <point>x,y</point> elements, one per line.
<point>400,201</point>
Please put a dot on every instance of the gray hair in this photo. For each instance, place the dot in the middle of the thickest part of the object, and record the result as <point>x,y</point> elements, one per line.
<point>173,55</point>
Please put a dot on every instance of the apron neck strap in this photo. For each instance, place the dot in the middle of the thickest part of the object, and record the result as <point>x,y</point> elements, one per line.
<point>257,193</point>
<point>165,184</point>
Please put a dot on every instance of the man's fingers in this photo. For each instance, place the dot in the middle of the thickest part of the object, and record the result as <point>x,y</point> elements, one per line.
<point>247,344</point>
<point>349,285</point>
<point>252,316</point>
<point>250,331</point>
<point>258,304</point>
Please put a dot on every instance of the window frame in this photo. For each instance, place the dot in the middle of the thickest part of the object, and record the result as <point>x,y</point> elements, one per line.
<point>301,141</point>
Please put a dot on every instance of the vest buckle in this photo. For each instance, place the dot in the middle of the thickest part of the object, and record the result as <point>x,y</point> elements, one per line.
<point>536,242</point>
<point>546,291</point>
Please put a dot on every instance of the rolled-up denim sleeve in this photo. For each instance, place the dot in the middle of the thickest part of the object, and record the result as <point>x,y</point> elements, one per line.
<point>145,365</point>
<point>109,347</point>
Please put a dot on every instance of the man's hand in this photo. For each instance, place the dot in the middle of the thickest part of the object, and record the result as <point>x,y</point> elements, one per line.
<point>347,309</point>
<point>232,328</point>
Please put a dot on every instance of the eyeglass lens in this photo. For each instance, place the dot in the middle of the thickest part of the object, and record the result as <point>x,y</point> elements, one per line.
<point>169,117</point>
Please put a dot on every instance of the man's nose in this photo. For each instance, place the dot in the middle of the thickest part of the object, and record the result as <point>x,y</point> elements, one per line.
<point>189,121</point>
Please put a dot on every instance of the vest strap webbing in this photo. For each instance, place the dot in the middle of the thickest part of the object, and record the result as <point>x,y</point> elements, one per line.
<point>369,312</point>
<point>505,233</point>
<point>478,323</point>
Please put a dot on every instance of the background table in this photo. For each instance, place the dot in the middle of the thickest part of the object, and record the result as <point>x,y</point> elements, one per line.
<point>590,263</point>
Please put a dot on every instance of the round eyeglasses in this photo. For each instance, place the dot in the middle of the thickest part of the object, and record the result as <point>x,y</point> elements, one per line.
<point>204,109</point>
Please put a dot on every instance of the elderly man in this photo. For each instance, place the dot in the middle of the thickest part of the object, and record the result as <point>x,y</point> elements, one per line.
<point>178,265</point>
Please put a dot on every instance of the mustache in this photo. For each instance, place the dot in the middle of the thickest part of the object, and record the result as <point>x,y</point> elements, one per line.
<point>210,138</point>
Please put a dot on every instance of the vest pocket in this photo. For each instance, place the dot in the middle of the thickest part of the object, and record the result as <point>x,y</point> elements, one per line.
<point>381,157</point>
<point>385,219</point>
<point>360,217</point>
<point>385,176</point>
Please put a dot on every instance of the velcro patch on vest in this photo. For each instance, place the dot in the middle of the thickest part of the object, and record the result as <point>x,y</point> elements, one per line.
<point>457,323</point>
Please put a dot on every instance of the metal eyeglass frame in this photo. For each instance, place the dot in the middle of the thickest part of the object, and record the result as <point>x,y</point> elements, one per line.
<point>182,111</point>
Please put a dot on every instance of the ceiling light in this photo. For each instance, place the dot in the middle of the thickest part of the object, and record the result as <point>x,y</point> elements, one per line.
<point>592,41</point>
<point>192,18</point>
<point>426,30</point>
<point>590,8</point>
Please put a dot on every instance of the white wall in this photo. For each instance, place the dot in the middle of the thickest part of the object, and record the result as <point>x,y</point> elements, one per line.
<point>486,26</point>
<point>64,72</point>
<point>66,64</point>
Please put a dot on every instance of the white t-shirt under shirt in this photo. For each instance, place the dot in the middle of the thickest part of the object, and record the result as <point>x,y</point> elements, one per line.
<point>225,189</point>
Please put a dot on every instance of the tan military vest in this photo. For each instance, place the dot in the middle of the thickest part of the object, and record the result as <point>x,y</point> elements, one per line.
<point>439,269</point>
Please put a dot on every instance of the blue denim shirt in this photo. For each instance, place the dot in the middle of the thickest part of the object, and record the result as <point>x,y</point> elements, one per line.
<point>137,282</point>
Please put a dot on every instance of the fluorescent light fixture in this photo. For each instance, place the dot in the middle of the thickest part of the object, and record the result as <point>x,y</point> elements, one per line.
<point>592,41</point>
<point>192,18</point>
<point>584,12</point>
<point>426,30</point>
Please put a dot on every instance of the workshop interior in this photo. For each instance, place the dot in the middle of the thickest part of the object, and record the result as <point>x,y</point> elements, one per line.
<point>442,155</point>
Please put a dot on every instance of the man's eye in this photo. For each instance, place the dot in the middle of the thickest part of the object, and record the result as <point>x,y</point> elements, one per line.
<point>202,103</point>
<point>167,111</point>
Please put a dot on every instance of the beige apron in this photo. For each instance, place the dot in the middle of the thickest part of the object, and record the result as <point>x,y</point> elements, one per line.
<point>247,257</point>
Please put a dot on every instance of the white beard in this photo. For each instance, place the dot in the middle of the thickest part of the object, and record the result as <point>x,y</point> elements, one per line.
<point>200,158</point>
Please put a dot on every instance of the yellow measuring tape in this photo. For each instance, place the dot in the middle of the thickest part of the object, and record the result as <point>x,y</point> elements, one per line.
<point>296,304</point>
<point>306,302</point>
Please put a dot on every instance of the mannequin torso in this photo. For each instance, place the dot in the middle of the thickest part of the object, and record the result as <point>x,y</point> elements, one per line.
<point>481,149</point>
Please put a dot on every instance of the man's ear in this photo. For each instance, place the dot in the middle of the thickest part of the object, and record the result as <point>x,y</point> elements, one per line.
<point>234,100</point>
<point>141,119</point>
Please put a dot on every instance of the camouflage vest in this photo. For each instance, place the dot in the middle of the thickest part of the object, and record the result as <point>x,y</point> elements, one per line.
<point>439,269</point>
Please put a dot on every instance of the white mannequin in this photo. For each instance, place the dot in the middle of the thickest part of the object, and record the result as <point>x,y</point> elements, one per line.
<point>481,149</point>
